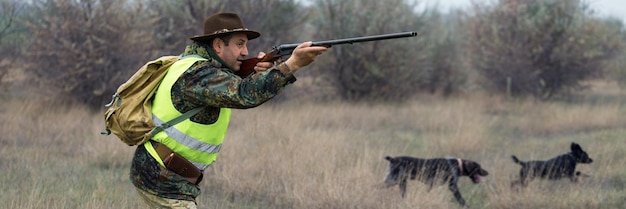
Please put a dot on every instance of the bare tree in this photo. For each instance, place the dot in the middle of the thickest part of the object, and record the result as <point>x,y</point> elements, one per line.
<point>390,69</point>
<point>617,66</point>
<point>87,48</point>
<point>276,20</point>
<point>9,35</point>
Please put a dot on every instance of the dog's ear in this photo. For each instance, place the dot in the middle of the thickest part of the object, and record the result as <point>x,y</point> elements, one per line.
<point>483,172</point>
<point>468,166</point>
<point>473,167</point>
<point>575,147</point>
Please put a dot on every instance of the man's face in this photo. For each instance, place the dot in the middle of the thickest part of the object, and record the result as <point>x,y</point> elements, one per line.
<point>233,52</point>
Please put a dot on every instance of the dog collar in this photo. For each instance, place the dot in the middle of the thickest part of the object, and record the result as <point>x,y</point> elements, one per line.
<point>460,164</point>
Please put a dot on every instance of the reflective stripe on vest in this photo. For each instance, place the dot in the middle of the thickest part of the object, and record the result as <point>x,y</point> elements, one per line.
<point>198,143</point>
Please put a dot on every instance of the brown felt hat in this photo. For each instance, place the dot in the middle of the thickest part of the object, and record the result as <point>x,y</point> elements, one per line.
<point>223,24</point>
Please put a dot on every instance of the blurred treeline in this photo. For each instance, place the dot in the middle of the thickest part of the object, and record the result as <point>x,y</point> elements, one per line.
<point>84,49</point>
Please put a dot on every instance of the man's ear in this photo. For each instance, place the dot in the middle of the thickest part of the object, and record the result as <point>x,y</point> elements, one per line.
<point>217,45</point>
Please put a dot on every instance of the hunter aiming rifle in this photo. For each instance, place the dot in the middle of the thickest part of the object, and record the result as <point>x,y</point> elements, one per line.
<point>247,66</point>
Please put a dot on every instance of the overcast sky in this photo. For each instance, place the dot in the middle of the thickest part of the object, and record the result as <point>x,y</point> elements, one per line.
<point>615,8</point>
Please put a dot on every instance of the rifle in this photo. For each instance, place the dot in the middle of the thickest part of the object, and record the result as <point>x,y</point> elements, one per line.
<point>247,66</point>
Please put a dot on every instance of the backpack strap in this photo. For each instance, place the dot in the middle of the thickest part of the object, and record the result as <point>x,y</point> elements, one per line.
<point>182,117</point>
<point>175,121</point>
<point>191,55</point>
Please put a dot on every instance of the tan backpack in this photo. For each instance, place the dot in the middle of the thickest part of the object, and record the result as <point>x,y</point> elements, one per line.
<point>129,114</point>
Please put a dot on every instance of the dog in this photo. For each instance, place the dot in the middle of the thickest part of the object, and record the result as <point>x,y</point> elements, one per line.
<point>553,169</point>
<point>435,171</point>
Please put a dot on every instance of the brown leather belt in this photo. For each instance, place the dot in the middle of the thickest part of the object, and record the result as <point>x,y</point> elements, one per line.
<point>177,163</point>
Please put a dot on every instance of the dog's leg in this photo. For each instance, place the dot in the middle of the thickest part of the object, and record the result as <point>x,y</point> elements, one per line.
<point>524,177</point>
<point>430,185</point>
<point>573,176</point>
<point>515,183</point>
<point>402,186</point>
<point>455,190</point>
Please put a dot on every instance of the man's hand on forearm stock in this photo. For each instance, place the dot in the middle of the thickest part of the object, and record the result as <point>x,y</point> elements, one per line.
<point>303,55</point>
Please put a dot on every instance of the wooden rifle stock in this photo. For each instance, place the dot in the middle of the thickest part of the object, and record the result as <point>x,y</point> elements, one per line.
<point>247,66</point>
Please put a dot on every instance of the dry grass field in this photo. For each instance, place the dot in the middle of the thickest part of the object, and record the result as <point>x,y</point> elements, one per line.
<point>329,155</point>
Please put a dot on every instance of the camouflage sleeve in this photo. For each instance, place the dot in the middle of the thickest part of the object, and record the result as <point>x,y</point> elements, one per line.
<point>210,86</point>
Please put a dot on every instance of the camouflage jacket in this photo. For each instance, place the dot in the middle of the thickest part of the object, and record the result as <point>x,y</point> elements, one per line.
<point>213,85</point>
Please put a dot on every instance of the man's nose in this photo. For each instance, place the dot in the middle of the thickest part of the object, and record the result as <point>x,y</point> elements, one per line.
<point>244,52</point>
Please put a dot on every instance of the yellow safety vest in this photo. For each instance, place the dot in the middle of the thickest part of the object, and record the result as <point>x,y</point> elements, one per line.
<point>198,143</point>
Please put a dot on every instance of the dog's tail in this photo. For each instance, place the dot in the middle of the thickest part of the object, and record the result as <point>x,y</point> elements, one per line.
<point>517,160</point>
<point>388,158</point>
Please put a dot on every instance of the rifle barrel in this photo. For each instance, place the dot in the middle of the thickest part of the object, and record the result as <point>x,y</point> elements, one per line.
<point>288,47</point>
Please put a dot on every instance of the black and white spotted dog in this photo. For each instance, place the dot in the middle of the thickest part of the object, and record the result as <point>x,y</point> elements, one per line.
<point>435,171</point>
<point>556,168</point>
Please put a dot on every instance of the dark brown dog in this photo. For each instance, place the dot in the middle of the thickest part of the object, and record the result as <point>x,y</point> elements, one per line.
<point>555,168</point>
<point>432,171</point>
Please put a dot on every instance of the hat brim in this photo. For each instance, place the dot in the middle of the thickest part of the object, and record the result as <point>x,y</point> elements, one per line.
<point>250,33</point>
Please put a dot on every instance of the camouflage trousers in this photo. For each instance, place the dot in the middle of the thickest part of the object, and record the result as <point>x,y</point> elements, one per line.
<point>154,201</point>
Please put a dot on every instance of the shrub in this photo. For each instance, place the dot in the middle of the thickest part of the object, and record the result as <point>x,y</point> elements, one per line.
<point>541,48</point>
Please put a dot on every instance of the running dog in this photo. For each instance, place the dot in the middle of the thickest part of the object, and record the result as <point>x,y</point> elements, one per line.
<point>553,169</point>
<point>432,171</point>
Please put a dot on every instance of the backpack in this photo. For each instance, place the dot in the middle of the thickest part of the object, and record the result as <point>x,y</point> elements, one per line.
<point>129,114</point>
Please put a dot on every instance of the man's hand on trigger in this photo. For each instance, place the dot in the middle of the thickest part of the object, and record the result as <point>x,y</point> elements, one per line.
<point>262,66</point>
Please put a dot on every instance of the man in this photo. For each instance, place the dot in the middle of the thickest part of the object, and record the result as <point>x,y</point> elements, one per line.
<point>167,169</point>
